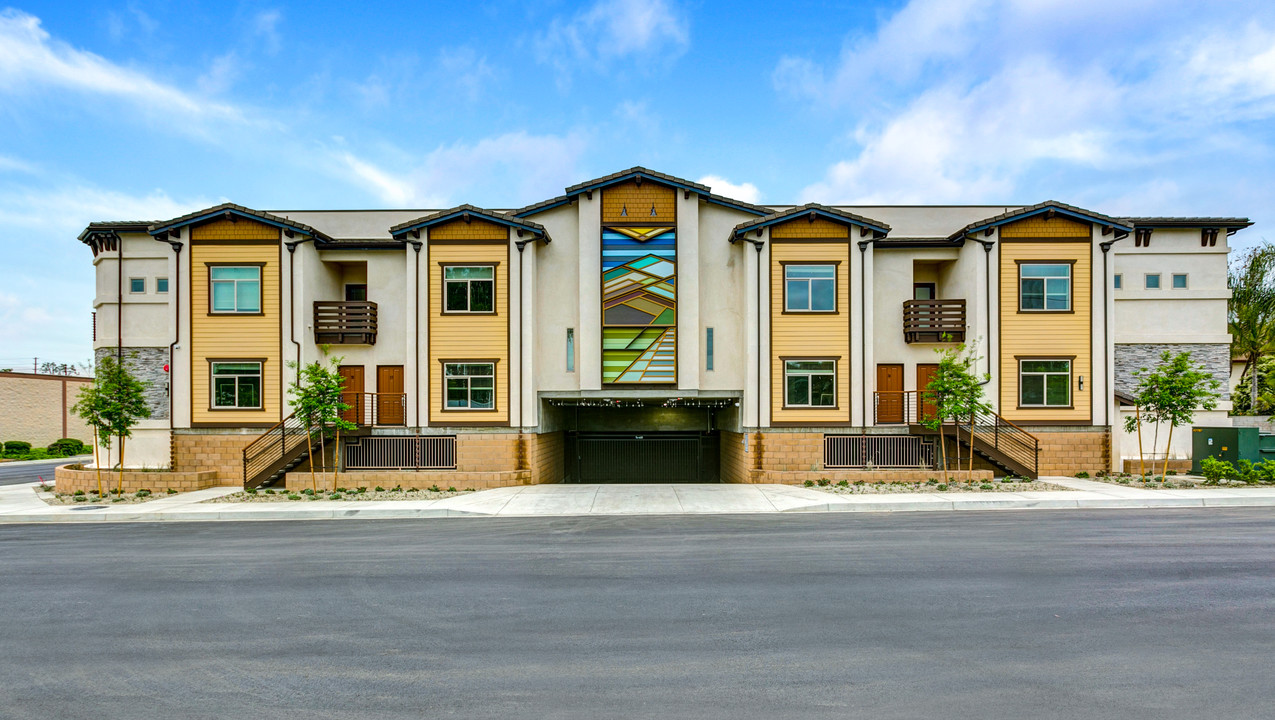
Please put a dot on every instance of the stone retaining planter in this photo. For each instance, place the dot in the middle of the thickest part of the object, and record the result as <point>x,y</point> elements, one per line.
<point>296,481</point>
<point>69,478</point>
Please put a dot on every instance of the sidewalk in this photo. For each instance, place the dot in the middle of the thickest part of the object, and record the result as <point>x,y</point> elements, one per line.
<point>19,503</point>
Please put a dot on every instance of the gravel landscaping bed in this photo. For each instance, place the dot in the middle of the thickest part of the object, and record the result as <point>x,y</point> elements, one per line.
<point>92,498</point>
<point>886,488</point>
<point>1175,482</point>
<point>272,495</point>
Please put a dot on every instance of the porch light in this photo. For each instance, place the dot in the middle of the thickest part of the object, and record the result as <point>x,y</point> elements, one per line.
<point>1082,382</point>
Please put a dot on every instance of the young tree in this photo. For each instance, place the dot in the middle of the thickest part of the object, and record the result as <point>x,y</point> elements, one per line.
<point>315,397</point>
<point>113,405</point>
<point>1171,392</point>
<point>1251,311</point>
<point>956,392</point>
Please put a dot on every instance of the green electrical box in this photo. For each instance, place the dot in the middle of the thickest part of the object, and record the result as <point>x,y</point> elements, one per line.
<point>1230,444</point>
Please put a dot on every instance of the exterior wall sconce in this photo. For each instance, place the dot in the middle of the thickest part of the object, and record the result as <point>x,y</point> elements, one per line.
<point>1082,382</point>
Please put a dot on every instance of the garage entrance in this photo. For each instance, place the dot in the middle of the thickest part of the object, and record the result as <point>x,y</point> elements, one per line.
<point>643,457</point>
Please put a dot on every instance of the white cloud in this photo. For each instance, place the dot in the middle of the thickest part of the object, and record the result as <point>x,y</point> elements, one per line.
<point>31,61</point>
<point>747,192</point>
<point>266,26</point>
<point>610,30</point>
<point>8,164</point>
<point>513,168</point>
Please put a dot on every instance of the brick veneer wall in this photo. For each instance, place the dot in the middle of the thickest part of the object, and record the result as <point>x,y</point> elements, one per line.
<point>1067,451</point>
<point>489,452</point>
<point>222,453</point>
<point>422,480</point>
<point>67,480</point>
<point>547,456</point>
<point>736,460</point>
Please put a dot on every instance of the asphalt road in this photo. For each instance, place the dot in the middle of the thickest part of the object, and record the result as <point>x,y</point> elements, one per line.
<point>1055,614</point>
<point>15,473</point>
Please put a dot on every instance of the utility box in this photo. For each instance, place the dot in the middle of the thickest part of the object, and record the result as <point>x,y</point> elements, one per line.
<point>1230,444</point>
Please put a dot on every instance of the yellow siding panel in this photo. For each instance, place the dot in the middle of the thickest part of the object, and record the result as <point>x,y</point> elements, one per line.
<point>1046,334</point>
<point>240,229</point>
<point>1042,227</point>
<point>468,337</point>
<point>234,336</point>
<point>802,227</point>
<point>639,201</point>
<point>475,229</point>
<point>809,335</point>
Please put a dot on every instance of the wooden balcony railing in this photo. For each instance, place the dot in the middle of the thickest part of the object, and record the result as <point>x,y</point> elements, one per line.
<point>931,321</point>
<point>375,409</point>
<point>344,322</point>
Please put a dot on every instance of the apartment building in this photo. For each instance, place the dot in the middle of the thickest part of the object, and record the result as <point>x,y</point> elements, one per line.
<point>639,327</point>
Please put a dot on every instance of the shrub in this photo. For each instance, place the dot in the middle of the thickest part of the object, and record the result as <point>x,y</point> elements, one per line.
<point>80,498</point>
<point>986,486</point>
<point>16,447</point>
<point>78,492</point>
<point>307,491</point>
<point>809,483</point>
<point>1007,479</point>
<point>451,489</point>
<point>1082,475</point>
<point>250,491</point>
<point>335,496</point>
<point>1214,470</point>
<point>293,496</point>
<point>859,482</point>
<point>380,489</point>
<point>932,481</point>
<point>398,488</point>
<point>434,488</point>
<point>1263,472</point>
<point>142,493</point>
<point>824,482</point>
<point>1175,472</point>
<point>941,487</point>
<point>843,483</point>
<point>66,447</point>
<point>172,491</point>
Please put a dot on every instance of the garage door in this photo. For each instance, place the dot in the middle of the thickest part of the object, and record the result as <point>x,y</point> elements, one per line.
<point>655,457</point>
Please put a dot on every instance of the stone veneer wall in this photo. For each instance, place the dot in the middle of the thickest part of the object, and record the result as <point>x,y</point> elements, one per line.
<point>146,364</point>
<point>1216,358</point>
<point>67,480</point>
<point>547,456</point>
<point>1067,450</point>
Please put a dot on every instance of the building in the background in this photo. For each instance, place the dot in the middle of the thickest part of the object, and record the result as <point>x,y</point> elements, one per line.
<point>641,328</point>
<point>36,408</point>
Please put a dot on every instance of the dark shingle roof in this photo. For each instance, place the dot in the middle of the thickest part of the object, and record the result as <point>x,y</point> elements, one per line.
<point>736,204</point>
<point>231,208</point>
<point>831,213</point>
<point>1022,212</point>
<point>116,225</point>
<point>541,206</point>
<point>489,215</point>
<point>1189,222</point>
<point>634,171</point>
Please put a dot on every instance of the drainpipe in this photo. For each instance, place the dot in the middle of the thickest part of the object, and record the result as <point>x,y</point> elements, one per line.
<point>177,328</point>
<point>522,371</point>
<point>1106,379</point>
<point>416,333</point>
<point>863,327</point>
<point>292,313</point>
<point>119,301</point>
<point>987,303</point>
<point>757,245</point>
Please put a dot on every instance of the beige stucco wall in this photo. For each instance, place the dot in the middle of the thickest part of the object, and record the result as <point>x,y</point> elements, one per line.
<point>37,408</point>
<point>1196,314</point>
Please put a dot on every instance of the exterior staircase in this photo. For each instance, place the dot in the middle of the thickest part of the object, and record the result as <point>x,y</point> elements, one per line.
<point>276,451</point>
<point>996,440</point>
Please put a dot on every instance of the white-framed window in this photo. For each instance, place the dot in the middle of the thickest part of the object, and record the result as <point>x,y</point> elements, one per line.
<point>810,288</point>
<point>161,285</point>
<point>1179,281</point>
<point>1151,281</point>
<point>1118,281</point>
<point>810,383</point>
<point>1044,383</point>
<point>236,385</point>
<point>137,286</point>
<point>235,288</point>
<point>1044,287</point>
<point>469,288</point>
<point>470,386</point>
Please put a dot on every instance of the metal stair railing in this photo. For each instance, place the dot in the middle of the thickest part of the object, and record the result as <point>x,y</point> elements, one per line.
<point>273,446</point>
<point>1003,436</point>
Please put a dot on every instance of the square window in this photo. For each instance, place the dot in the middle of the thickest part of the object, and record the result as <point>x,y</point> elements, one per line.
<point>1044,383</point>
<point>1179,282</point>
<point>810,383</point>
<point>1153,281</point>
<point>470,386</point>
<point>235,289</point>
<point>236,385</point>
<point>1044,287</point>
<point>161,285</point>
<point>469,289</point>
<point>810,288</point>
<point>137,285</point>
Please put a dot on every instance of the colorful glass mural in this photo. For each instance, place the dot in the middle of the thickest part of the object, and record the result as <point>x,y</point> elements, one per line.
<point>639,305</point>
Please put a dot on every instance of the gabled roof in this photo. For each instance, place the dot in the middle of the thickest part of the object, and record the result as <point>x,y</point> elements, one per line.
<point>229,210</point>
<point>633,173</point>
<point>115,225</point>
<point>462,211</point>
<point>879,229</point>
<point>1049,206</point>
<point>541,206</point>
<point>1189,222</point>
<point>735,204</point>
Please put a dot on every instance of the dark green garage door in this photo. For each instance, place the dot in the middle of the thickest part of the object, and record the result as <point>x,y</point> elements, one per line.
<point>653,457</point>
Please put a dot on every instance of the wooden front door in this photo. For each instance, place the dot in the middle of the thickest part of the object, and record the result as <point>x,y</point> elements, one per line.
<point>889,393</point>
<point>352,395</point>
<point>924,373</point>
<point>389,395</point>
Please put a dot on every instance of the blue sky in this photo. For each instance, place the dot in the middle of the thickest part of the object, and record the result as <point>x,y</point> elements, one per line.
<point>145,110</point>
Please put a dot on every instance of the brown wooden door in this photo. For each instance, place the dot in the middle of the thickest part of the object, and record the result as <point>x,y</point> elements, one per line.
<point>924,373</point>
<point>352,382</point>
<point>889,393</point>
<point>389,395</point>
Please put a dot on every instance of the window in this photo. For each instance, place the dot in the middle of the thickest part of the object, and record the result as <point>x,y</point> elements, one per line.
<point>1044,383</point>
<point>137,285</point>
<point>161,285</point>
<point>469,288</point>
<point>235,289</point>
<point>1153,281</point>
<point>571,350</point>
<point>1044,287</point>
<point>708,341</point>
<point>356,292</point>
<point>236,385</point>
<point>1119,281</point>
<point>470,386</point>
<point>1179,282</point>
<point>810,288</point>
<point>810,383</point>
